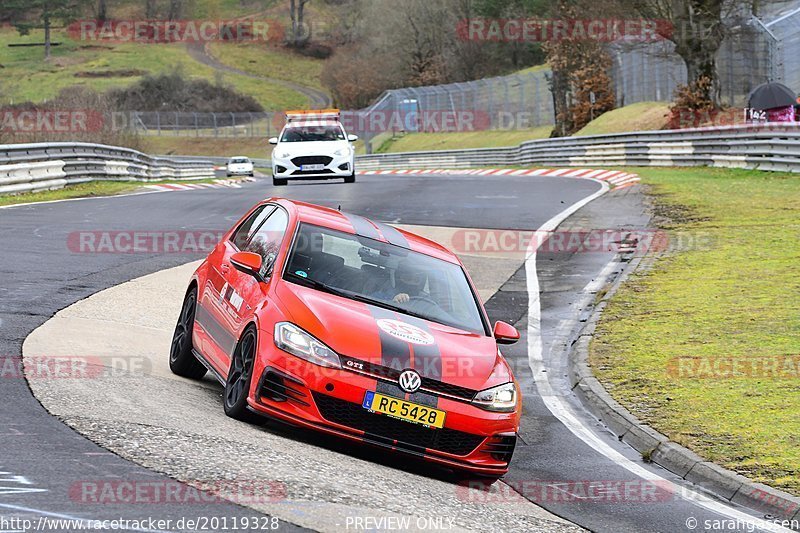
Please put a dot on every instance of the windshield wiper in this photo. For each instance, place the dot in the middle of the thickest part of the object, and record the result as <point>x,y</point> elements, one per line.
<point>314,284</point>
<point>390,307</point>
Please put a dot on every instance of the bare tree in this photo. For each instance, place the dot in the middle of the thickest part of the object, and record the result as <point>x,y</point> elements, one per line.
<point>697,28</point>
<point>150,9</point>
<point>175,8</point>
<point>300,34</point>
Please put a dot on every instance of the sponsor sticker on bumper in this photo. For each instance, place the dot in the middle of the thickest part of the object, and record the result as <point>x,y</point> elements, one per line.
<point>404,410</point>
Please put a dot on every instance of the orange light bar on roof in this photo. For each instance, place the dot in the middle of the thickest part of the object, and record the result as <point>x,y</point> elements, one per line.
<point>312,114</point>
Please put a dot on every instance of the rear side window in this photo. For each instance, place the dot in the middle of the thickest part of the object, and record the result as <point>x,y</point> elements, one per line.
<point>246,230</point>
<point>267,240</point>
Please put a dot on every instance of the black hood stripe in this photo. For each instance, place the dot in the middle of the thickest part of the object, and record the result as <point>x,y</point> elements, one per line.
<point>395,353</point>
<point>427,361</point>
<point>392,235</point>
<point>363,227</point>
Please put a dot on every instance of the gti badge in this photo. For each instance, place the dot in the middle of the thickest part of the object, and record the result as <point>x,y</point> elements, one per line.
<point>409,381</point>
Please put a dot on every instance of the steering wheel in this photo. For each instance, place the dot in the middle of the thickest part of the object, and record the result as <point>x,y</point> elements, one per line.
<point>422,299</point>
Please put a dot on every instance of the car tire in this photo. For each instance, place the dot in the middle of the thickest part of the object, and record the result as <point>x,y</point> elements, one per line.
<point>182,361</point>
<point>240,376</point>
<point>351,178</point>
<point>278,182</point>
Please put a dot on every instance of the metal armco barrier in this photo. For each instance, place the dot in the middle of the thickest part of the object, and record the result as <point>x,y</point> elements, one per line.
<point>771,146</point>
<point>42,166</point>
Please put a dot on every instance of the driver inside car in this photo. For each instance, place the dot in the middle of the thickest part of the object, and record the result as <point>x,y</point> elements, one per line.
<point>409,282</point>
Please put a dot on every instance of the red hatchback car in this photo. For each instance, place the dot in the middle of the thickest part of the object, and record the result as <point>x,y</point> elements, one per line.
<point>334,322</point>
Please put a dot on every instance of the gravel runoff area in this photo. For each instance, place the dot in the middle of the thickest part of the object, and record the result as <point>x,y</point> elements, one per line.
<point>175,426</point>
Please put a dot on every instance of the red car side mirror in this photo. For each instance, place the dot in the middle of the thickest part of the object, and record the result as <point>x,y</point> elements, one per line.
<point>249,263</point>
<point>505,333</point>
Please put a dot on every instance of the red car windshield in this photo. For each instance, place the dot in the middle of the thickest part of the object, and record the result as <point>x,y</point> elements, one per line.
<point>385,275</point>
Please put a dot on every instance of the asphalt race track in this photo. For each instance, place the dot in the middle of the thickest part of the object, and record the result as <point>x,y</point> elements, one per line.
<point>562,448</point>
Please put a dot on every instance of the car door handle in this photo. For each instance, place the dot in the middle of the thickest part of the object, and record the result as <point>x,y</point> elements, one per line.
<point>225,268</point>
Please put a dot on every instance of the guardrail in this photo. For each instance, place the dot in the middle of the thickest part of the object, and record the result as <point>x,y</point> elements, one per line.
<point>771,146</point>
<point>43,166</point>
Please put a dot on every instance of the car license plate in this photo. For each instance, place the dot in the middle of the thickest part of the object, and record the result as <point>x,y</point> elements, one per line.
<point>312,167</point>
<point>408,411</point>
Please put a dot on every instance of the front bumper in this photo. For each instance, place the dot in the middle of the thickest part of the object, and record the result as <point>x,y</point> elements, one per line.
<point>239,172</point>
<point>329,400</point>
<point>292,168</point>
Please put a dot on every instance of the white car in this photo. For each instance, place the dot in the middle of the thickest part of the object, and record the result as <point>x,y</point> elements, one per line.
<point>313,145</point>
<point>239,166</point>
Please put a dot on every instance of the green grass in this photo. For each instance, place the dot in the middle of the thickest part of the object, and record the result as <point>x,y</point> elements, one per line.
<point>81,190</point>
<point>227,9</point>
<point>196,9</point>
<point>84,190</point>
<point>270,62</point>
<point>26,76</point>
<point>454,140</point>
<point>253,147</point>
<point>535,68</point>
<point>643,116</point>
<point>735,297</point>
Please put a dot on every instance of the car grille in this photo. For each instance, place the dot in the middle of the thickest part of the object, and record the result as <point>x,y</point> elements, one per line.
<point>311,172</point>
<point>312,160</point>
<point>409,436</point>
<point>392,374</point>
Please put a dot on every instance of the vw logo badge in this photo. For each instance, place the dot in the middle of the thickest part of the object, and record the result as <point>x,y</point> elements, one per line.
<point>409,381</point>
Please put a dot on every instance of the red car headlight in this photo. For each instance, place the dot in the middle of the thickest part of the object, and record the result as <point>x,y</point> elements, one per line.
<point>296,341</point>
<point>502,398</point>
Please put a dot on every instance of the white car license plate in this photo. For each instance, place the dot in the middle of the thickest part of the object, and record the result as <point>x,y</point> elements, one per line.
<point>312,167</point>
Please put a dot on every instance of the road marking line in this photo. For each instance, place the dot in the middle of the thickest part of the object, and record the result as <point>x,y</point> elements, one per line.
<point>556,405</point>
<point>605,174</point>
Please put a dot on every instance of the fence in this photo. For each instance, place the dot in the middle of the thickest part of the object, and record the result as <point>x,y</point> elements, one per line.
<point>526,92</point>
<point>786,31</point>
<point>43,166</point>
<point>763,147</point>
<point>180,124</point>
<point>652,71</point>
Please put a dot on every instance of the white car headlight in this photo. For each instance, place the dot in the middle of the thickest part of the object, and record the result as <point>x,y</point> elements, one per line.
<point>502,398</point>
<point>297,342</point>
<point>342,151</point>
